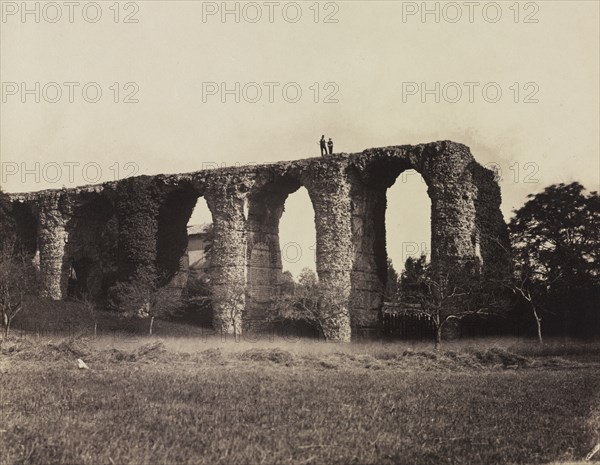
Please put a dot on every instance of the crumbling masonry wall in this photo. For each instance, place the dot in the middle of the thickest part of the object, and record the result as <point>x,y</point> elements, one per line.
<point>139,224</point>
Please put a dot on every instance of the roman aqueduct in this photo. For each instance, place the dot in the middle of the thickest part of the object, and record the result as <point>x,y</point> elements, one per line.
<point>141,223</point>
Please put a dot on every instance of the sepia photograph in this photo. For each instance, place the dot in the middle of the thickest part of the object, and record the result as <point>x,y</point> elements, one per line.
<point>352,232</point>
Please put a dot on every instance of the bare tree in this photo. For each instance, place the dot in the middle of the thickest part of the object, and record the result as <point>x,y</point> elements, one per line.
<point>447,295</point>
<point>310,302</point>
<point>90,306</point>
<point>525,282</point>
<point>520,284</point>
<point>143,298</point>
<point>17,279</point>
<point>521,278</point>
<point>440,303</point>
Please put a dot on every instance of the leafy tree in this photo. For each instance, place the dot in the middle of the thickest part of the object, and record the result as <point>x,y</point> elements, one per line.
<point>392,286</point>
<point>413,278</point>
<point>557,233</point>
<point>287,285</point>
<point>196,296</point>
<point>209,237</point>
<point>308,278</point>
<point>555,240</point>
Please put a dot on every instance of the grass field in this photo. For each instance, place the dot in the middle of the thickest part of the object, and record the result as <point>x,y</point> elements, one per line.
<point>209,401</point>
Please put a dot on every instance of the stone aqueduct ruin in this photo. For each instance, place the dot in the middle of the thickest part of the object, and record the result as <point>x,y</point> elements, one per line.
<point>142,222</point>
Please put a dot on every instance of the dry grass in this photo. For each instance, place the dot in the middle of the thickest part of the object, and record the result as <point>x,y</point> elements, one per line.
<point>196,401</point>
<point>468,354</point>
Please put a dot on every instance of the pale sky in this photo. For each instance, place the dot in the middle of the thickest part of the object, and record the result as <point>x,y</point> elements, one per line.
<point>375,59</point>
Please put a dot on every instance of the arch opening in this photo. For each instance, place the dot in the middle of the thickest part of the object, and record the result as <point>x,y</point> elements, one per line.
<point>391,220</point>
<point>195,263</point>
<point>172,241</point>
<point>408,249</point>
<point>297,234</point>
<point>184,227</point>
<point>26,228</point>
<point>281,242</point>
<point>407,220</point>
<point>92,248</point>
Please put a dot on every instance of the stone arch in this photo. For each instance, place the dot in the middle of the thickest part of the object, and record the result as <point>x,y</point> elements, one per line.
<point>348,197</point>
<point>266,204</point>
<point>26,220</point>
<point>177,207</point>
<point>464,203</point>
<point>369,270</point>
<point>92,246</point>
<point>172,240</point>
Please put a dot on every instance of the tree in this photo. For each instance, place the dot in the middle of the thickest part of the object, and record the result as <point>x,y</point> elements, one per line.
<point>287,285</point>
<point>144,297</point>
<point>90,306</point>
<point>413,278</point>
<point>196,297</point>
<point>522,283</point>
<point>518,277</point>
<point>392,286</point>
<point>308,278</point>
<point>557,233</point>
<point>441,300</point>
<point>555,241</point>
<point>17,281</point>
<point>11,291</point>
<point>446,295</point>
<point>209,238</point>
<point>311,303</point>
<point>17,274</point>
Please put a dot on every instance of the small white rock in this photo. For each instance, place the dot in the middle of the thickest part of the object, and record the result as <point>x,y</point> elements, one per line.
<point>82,365</point>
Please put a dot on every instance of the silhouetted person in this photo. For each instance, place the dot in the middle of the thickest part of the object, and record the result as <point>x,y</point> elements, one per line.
<point>330,146</point>
<point>323,146</point>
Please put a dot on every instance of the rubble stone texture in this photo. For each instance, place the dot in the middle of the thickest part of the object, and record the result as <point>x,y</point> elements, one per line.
<point>140,224</point>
